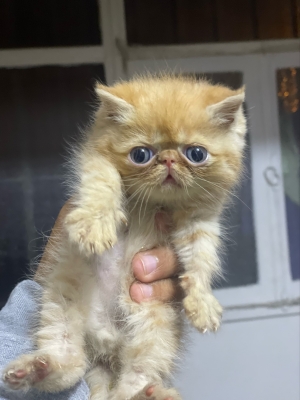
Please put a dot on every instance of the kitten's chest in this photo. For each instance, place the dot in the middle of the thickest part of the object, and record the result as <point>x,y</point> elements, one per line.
<point>113,267</point>
<point>149,229</point>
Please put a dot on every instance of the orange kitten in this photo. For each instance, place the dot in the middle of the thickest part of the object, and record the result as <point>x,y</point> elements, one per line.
<point>168,145</point>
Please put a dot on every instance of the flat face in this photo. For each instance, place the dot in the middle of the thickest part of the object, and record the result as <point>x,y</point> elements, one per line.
<point>169,120</point>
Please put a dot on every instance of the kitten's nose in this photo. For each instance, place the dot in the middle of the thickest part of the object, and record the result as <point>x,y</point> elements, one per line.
<point>168,161</point>
<point>167,158</point>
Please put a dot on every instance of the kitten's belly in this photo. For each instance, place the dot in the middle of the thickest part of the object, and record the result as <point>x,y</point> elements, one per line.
<point>108,268</point>
<point>102,292</point>
<point>113,267</point>
<point>111,272</point>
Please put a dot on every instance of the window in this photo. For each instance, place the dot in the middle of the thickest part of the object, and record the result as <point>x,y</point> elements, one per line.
<point>42,110</point>
<point>48,93</point>
<point>51,23</point>
<point>152,22</point>
<point>258,271</point>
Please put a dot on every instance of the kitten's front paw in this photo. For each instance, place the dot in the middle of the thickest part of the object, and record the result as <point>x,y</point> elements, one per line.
<point>93,234</point>
<point>204,311</point>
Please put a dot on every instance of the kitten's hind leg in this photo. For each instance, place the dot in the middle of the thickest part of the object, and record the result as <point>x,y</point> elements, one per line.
<point>154,332</point>
<point>44,371</point>
<point>26,371</point>
<point>60,360</point>
<point>99,380</point>
<point>157,393</point>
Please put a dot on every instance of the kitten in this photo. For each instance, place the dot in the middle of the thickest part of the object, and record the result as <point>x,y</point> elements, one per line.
<point>167,144</point>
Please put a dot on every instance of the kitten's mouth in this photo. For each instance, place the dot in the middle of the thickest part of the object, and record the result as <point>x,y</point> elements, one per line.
<point>170,180</point>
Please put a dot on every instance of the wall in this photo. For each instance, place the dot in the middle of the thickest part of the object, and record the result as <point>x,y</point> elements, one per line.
<point>250,360</point>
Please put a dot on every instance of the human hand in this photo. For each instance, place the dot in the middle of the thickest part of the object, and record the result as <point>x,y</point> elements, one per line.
<point>154,270</point>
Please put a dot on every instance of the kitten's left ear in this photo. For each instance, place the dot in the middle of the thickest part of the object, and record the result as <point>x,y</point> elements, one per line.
<point>224,112</point>
<point>114,108</point>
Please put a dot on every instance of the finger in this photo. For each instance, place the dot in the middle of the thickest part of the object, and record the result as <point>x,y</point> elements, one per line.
<point>150,391</point>
<point>155,264</point>
<point>163,290</point>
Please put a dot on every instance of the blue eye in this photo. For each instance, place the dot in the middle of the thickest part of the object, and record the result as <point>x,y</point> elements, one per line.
<point>141,155</point>
<point>196,154</point>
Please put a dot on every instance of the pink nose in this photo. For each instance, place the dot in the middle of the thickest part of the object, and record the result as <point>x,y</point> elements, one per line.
<point>168,161</point>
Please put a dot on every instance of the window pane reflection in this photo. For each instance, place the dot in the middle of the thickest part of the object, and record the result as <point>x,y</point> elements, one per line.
<point>288,84</point>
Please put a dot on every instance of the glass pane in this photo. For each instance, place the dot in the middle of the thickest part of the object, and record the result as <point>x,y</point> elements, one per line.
<point>240,264</point>
<point>158,22</point>
<point>41,109</point>
<point>34,23</point>
<point>288,84</point>
<point>239,260</point>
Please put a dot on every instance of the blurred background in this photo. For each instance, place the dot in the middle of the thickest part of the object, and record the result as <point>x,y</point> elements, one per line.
<point>52,53</point>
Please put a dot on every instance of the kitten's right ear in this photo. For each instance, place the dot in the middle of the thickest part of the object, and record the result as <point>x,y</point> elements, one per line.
<point>224,112</point>
<point>114,108</point>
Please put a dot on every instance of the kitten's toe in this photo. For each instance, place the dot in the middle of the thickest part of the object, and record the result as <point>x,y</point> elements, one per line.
<point>15,378</point>
<point>205,312</point>
<point>157,392</point>
<point>26,371</point>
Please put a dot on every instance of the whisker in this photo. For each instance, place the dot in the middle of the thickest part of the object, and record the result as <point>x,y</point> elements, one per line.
<point>137,175</point>
<point>150,191</point>
<point>227,191</point>
<point>209,194</point>
<point>137,201</point>
<point>141,205</point>
<point>138,190</point>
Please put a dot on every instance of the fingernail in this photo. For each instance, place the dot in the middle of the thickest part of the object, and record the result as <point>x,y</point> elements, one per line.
<point>149,263</point>
<point>146,290</point>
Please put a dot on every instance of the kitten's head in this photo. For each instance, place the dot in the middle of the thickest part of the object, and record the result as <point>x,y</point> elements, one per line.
<point>172,139</point>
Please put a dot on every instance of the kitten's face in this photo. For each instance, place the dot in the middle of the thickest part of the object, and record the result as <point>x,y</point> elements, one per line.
<point>173,140</point>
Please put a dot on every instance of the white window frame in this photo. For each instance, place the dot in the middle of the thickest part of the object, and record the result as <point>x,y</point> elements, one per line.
<point>62,56</point>
<point>275,293</point>
<point>290,288</point>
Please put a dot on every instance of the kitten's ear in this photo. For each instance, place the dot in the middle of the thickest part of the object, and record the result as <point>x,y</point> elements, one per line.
<point>114,108</point>
<point>224,112</point>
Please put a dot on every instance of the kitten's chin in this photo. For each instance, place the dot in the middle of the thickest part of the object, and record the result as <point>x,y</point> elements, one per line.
<point>170,186</point>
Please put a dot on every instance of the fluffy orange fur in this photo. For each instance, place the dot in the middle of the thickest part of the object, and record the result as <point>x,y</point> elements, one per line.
<point>193,133</point>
